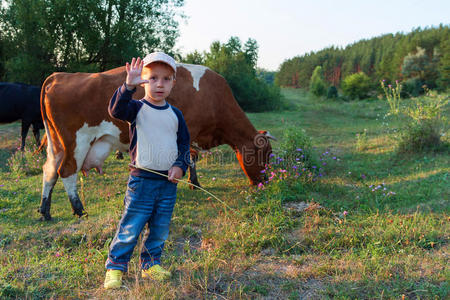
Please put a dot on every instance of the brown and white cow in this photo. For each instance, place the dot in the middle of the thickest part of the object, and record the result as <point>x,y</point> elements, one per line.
<point>81,134</point>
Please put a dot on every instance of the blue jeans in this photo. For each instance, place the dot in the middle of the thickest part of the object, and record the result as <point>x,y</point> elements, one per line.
<point>147,201</point>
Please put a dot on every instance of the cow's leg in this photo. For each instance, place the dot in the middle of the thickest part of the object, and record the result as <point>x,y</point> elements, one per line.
<point>25,127</point>
<point>50,176</point>
<point>36,133</point>
<point>70,185</point>
<point>193,172</point>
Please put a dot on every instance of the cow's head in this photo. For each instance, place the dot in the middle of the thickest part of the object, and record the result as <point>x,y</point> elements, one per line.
<point>254,155</point>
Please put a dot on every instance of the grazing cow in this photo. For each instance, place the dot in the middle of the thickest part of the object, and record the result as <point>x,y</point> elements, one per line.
<point>81,133</point>
<point>20,101</point>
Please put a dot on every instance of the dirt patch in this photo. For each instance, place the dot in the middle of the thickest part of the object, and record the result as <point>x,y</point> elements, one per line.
<point>274,278</point>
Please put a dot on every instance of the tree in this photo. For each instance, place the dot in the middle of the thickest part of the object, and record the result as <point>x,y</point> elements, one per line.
<point>317,84</point>
<point>195,58</point>
<point>356,85</point>
<point>419,65</point>
<point>83,35</point>
<point>238,65</point>
<point>444,66</point>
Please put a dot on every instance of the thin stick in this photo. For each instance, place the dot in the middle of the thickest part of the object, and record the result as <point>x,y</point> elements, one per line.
<point>184,181</point>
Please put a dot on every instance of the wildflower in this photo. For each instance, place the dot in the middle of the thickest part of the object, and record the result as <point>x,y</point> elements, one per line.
<point>2,185</point>
<point>263,171</point>
<point>271,155</point>
<point>299,150</point>
<point>294,167</point>
<point>297,159</point>
<point>260,185</point>
<point>324,164</point>
<point>58,254</point>
<point>345,213</point>
<point>334,157</point>
<point>363,176</point>
<point>214,178</point>
<point>349,173</point>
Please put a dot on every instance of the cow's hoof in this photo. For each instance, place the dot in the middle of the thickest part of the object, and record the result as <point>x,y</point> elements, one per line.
<point>45,217</point>
<point>81,214</point>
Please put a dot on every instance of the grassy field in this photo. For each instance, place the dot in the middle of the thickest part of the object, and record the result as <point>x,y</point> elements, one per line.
<point>376,225</point>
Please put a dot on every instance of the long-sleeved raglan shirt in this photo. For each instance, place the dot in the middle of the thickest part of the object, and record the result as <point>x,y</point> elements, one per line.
<point>159,137</point>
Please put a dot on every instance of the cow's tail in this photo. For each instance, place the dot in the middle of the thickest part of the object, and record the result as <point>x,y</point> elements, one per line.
<point>45,119</point>
<point>42,145</point>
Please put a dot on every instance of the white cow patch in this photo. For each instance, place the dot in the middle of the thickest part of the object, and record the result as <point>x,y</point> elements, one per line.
<point>106,136</point>
<point>197,72</point>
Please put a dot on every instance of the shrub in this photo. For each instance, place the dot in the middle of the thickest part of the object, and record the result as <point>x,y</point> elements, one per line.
<point>317,84</point>
<point>356,85</point>
<point>296,146</point>
<point>426,125</point>
<point>412,87</point>
<point>332,92</point>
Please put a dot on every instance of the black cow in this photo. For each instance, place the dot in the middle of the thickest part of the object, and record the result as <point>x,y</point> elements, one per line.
<point>21,101</point>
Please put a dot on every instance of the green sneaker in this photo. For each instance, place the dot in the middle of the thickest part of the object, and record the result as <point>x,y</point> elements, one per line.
<point>113,279</point>
<point>156,272</point>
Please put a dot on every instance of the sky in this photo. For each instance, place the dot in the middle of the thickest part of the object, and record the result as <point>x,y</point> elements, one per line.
<point>288,28</point>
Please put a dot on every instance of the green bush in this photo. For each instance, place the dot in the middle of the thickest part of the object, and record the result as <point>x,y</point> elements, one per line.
<point>317,85</point>
<point>356,85</point>
<point>296,147</point>
<point>412,87</point>
<point>332,92</point>
<point>426,124</point>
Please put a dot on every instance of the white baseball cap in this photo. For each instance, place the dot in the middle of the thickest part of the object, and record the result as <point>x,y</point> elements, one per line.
<point>161,57</point>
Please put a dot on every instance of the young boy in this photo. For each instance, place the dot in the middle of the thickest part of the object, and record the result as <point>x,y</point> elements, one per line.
<point>159,141</point>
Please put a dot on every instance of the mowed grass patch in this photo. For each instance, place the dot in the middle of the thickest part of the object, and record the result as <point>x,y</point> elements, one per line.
<point>353,242</point>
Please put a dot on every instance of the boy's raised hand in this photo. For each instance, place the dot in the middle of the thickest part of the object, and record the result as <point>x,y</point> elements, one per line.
<point>134,71</point>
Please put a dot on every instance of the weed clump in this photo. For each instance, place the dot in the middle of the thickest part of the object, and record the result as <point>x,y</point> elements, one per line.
<point>25,163</point>
<point>425,124</point>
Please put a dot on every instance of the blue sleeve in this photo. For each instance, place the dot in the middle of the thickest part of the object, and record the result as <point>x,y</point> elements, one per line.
<point>122,107</point>
<point>183,142</point>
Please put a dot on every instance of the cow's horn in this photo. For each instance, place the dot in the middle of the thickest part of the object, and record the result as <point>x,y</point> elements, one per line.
<point>269,136</point>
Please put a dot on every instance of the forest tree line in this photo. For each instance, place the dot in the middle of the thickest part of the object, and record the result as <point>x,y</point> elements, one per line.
<point>421,57</point>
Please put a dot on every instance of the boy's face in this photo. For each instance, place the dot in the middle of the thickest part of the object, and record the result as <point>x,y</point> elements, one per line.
<point>161,81</point>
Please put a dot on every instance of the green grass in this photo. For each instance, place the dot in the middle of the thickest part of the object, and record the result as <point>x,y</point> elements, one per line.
<point>381,247</point>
